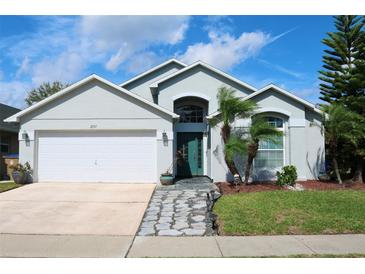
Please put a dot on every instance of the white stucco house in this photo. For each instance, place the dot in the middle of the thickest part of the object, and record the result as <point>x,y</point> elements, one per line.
<point>98,131</point>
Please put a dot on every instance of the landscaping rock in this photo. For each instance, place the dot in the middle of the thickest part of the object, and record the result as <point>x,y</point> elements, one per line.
<point>146,232</point>
<point>169,232</point>
<point>296,187</point>
<point>194,232</point>
<point>198,218</point>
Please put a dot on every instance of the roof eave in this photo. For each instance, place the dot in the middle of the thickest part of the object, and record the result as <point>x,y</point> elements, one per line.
<point>173,60</point>
<point>207,66</point>
<point>16,117</point>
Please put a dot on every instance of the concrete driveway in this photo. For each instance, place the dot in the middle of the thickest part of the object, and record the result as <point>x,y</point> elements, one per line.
<point>71,219</point>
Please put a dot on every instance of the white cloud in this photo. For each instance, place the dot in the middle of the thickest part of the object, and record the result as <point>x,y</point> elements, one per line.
<point>23,68</point>
<point>112,31</point>
<point>64,47</point>
<point>126,36</point>
<point>13,93</point>
<point>143,61</point>
<point>224,51</point>
<point>65,68</point>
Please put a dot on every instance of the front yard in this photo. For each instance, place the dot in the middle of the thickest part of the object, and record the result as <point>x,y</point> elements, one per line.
<point>8,186</point>
<point>290,212</point>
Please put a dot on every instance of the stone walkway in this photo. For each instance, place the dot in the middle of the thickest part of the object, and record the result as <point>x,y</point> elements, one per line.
<point>179,210</point>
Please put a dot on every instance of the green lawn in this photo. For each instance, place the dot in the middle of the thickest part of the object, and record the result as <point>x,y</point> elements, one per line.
<point>289,212</point>
<point>8,186</point>
<point>350,255</point>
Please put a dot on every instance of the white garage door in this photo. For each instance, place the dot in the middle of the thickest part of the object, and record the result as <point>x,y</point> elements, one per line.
<point>128,156</point>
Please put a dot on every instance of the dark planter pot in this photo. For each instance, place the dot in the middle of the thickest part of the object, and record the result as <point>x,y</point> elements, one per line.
<point>29,178</point>
<point>19,177</point>
<point>324,177</point>
<point>166,180</point>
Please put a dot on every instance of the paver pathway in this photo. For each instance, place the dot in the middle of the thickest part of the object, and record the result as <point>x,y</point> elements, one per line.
<point>179,210</point>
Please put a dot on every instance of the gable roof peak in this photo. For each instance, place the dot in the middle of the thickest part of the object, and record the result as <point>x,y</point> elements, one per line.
<point>155,84</point>
<point>163,64</point>
<point>16,116</point>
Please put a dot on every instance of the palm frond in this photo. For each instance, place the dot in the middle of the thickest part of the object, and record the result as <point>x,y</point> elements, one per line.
<point>261,130</point>
<point>234,146</point>
<point>232,107</point>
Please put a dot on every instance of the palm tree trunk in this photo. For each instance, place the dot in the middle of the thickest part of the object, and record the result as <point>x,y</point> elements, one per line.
<point>248,168</point>
<point>358,172</point>
<point>252,151</point>
<point>335,168</point>
<point>226,133</point>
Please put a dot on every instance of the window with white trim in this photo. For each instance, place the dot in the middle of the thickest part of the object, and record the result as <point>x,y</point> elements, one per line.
<point>271,154</point>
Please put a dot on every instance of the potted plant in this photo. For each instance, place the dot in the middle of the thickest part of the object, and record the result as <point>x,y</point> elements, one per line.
<point>167,178</point>
<point>22,174</point>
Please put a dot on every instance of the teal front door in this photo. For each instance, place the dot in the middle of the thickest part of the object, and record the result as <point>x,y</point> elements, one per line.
<point>189,154</point>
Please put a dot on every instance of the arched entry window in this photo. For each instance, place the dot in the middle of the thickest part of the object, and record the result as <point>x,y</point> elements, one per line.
<point>271,154</point>
<point>190,113</point>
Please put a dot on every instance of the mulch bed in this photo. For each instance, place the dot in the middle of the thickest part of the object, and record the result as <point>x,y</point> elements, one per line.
<point>227,188</point>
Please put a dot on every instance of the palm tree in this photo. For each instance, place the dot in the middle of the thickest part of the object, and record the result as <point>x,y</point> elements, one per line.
<point>341,126</point>
<point>231,108</point>
<point>260,130</point>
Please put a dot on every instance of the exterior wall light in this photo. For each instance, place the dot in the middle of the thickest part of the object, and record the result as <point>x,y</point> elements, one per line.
<point>25,135</point>
<point>165,139</point>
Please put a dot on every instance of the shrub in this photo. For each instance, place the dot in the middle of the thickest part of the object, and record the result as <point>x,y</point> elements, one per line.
<point>26,168</point>
<point>287,176</point>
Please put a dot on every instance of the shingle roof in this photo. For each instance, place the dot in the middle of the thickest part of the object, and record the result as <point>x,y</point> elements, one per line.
<point>5,112</point>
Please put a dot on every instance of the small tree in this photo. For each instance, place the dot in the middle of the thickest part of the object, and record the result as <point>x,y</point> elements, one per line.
<point>231,108</point>
<point>341,125</point>
<point>260,130</point>
<point>43,91</point>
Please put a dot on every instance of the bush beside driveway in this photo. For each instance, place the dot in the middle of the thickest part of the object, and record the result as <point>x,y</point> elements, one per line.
<point>287,212</point>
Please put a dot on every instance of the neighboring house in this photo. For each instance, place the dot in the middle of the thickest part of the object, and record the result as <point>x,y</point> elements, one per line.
<point>8,136</point>
<point>97,131</point>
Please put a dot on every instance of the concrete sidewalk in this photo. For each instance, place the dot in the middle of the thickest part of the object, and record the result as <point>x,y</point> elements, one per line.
<point>250,246</point>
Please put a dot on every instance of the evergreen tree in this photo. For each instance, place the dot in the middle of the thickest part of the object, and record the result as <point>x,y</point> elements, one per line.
<point>343,74</point>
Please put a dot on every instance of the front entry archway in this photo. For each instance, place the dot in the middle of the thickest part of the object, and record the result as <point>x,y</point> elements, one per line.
<point>189,154</point>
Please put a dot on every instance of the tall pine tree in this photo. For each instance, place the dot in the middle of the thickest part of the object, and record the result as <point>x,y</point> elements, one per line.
<point>343,74</point>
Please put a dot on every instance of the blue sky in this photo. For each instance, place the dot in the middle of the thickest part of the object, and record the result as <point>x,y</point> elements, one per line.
<point>285,50</point>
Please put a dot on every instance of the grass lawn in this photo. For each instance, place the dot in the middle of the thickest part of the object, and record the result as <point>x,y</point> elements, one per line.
<point>351,255</point>
<point>289,212</point>
<point>8,186</point>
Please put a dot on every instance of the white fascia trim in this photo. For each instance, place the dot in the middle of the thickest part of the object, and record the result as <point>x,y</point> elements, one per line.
<point>209,67</point>
<point>173,60</point>
<point>282,91</point>
<point>286,93</point>
<point>191,94</point>
<point>15,117</point>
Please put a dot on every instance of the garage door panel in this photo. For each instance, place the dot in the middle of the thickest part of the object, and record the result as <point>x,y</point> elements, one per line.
<point>97,156</point>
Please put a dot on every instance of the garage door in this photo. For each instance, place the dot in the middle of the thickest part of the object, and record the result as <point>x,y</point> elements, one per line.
<point>128,156</point>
